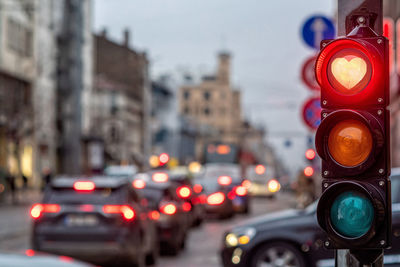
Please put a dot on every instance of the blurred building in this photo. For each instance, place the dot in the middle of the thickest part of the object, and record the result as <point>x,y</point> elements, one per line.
<point>164,118</point>
<point>213,107</point>
<point>74,76</point>
<point>32,103</point>
<point>17,73</point>
<point>120,101</point>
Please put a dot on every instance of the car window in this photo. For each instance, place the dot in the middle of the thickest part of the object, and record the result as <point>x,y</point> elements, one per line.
<point>97,196</point>
<point>210,186</point>
<point>152,194</point>
<point>395,188</point>
<point>213,172</point>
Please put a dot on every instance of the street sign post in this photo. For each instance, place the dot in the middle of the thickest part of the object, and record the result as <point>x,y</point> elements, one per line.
<point>312,113</point>
<point>316,29</point>
<point>353,141</point>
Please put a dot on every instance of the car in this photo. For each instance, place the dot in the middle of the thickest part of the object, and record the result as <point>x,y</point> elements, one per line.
<point>84,218</point>
<point>168,210</point>
<point>189,192</point>
<point>294,238</point>
<point>216,200</point>
<point>229,178</point>
<point>37,259</point>
<point>261,182</point>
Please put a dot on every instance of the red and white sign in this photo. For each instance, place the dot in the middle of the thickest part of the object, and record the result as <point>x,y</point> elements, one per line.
<point>308,74</point>
<point>388,32</point>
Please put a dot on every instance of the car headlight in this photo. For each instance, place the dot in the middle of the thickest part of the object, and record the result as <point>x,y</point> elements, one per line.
<point>241,236</point>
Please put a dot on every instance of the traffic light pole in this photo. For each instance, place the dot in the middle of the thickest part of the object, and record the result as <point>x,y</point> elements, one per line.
<point>349,14</point>
<point>350,258</point>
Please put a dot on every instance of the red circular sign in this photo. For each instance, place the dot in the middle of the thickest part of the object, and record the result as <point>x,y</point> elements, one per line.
<point>312,112</point>
<point>308,74</point>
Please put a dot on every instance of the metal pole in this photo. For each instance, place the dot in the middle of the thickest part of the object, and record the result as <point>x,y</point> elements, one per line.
<point>348,13</point>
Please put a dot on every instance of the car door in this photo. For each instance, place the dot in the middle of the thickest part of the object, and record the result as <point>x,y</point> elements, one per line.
<point>395,216</point>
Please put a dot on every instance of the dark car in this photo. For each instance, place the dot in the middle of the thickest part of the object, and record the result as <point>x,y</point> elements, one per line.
<point>33,258</point>
<point>294,238</point>
<point>100,220</point>
<point>239,195</point>
<point>216,200</point>
<point>227,175</point>
<point>191,193</point>
<point>168,210</point>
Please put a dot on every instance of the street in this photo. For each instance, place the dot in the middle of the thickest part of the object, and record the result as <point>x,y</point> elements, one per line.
<point>202,247</point>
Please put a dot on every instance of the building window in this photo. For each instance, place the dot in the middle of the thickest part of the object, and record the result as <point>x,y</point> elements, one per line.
<point>186,110</point>
<point>19,38</point>
<point>207,95</point>
<point>186,95</point>
<point>114,135</point>
<point>113,104</point>
<point>207,111</point>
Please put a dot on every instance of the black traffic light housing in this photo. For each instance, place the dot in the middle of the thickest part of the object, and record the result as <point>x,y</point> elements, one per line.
<point>363,101</point>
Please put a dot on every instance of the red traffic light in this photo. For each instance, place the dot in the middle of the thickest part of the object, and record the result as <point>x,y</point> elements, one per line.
<point>163,158</point>
<point>308,171</point>
<point>350,70</point>
<point>310,154</point>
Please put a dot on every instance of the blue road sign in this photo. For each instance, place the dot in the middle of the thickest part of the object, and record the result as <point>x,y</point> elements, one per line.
<point>316,29</point>
<point>312,112</point>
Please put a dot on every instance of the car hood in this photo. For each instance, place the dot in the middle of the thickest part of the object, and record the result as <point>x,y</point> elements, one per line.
<point>269,219</point>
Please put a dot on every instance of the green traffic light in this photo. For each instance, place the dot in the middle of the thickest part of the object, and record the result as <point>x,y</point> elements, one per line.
<point>352,214</point>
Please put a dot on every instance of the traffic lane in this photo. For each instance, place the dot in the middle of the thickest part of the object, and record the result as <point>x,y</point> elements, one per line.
<point>203,243</point>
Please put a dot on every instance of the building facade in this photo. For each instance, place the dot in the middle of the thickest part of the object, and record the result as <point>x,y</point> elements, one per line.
<point>30,48</point>
<point>17,73</point>
<point>213,106</point>
<point>120,102</point>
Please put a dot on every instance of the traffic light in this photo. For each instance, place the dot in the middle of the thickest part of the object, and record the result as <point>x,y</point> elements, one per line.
<point>353,141</point>
<point>163,159</point>
<point>310,154</point>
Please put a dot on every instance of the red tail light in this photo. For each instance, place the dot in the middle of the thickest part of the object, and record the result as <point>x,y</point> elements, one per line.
<point>184,192</point>
<point>160,177</point>
<point>86,208</point>
<point>30,252</point>
<point>216,199</point>
<point>197,188</point>
<point>246,183</point>
<point>240,191</point>
<point>186,207</point>
<point>38,209</point>
<point>85,186</point>
<point>126,211</point>
<point>224,180</point>
<point>169,209</point>
<point>139,184</point>
<point>154,215</point>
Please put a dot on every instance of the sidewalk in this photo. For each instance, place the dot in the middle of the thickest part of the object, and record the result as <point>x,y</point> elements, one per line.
<point>14,218</point>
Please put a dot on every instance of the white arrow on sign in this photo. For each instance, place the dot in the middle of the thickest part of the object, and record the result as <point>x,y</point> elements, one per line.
<point>318,26</point>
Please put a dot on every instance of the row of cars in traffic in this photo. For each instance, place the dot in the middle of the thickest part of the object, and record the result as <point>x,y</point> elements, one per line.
<point>125,218</point>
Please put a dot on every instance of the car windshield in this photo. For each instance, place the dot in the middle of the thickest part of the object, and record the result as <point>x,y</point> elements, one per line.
<point>152,194</point>
<point>395,180</point>
<point>214,171</point>
<point>97,196</point>
<point>120,170</point>
<point>210,186</point>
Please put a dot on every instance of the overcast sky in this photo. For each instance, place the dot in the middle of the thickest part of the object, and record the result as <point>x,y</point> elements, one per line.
<point>262,35</point>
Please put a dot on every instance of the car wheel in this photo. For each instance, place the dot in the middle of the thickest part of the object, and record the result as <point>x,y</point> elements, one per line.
<point>140,261</point>
<point>278,254</point>
<point>151,258</point>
